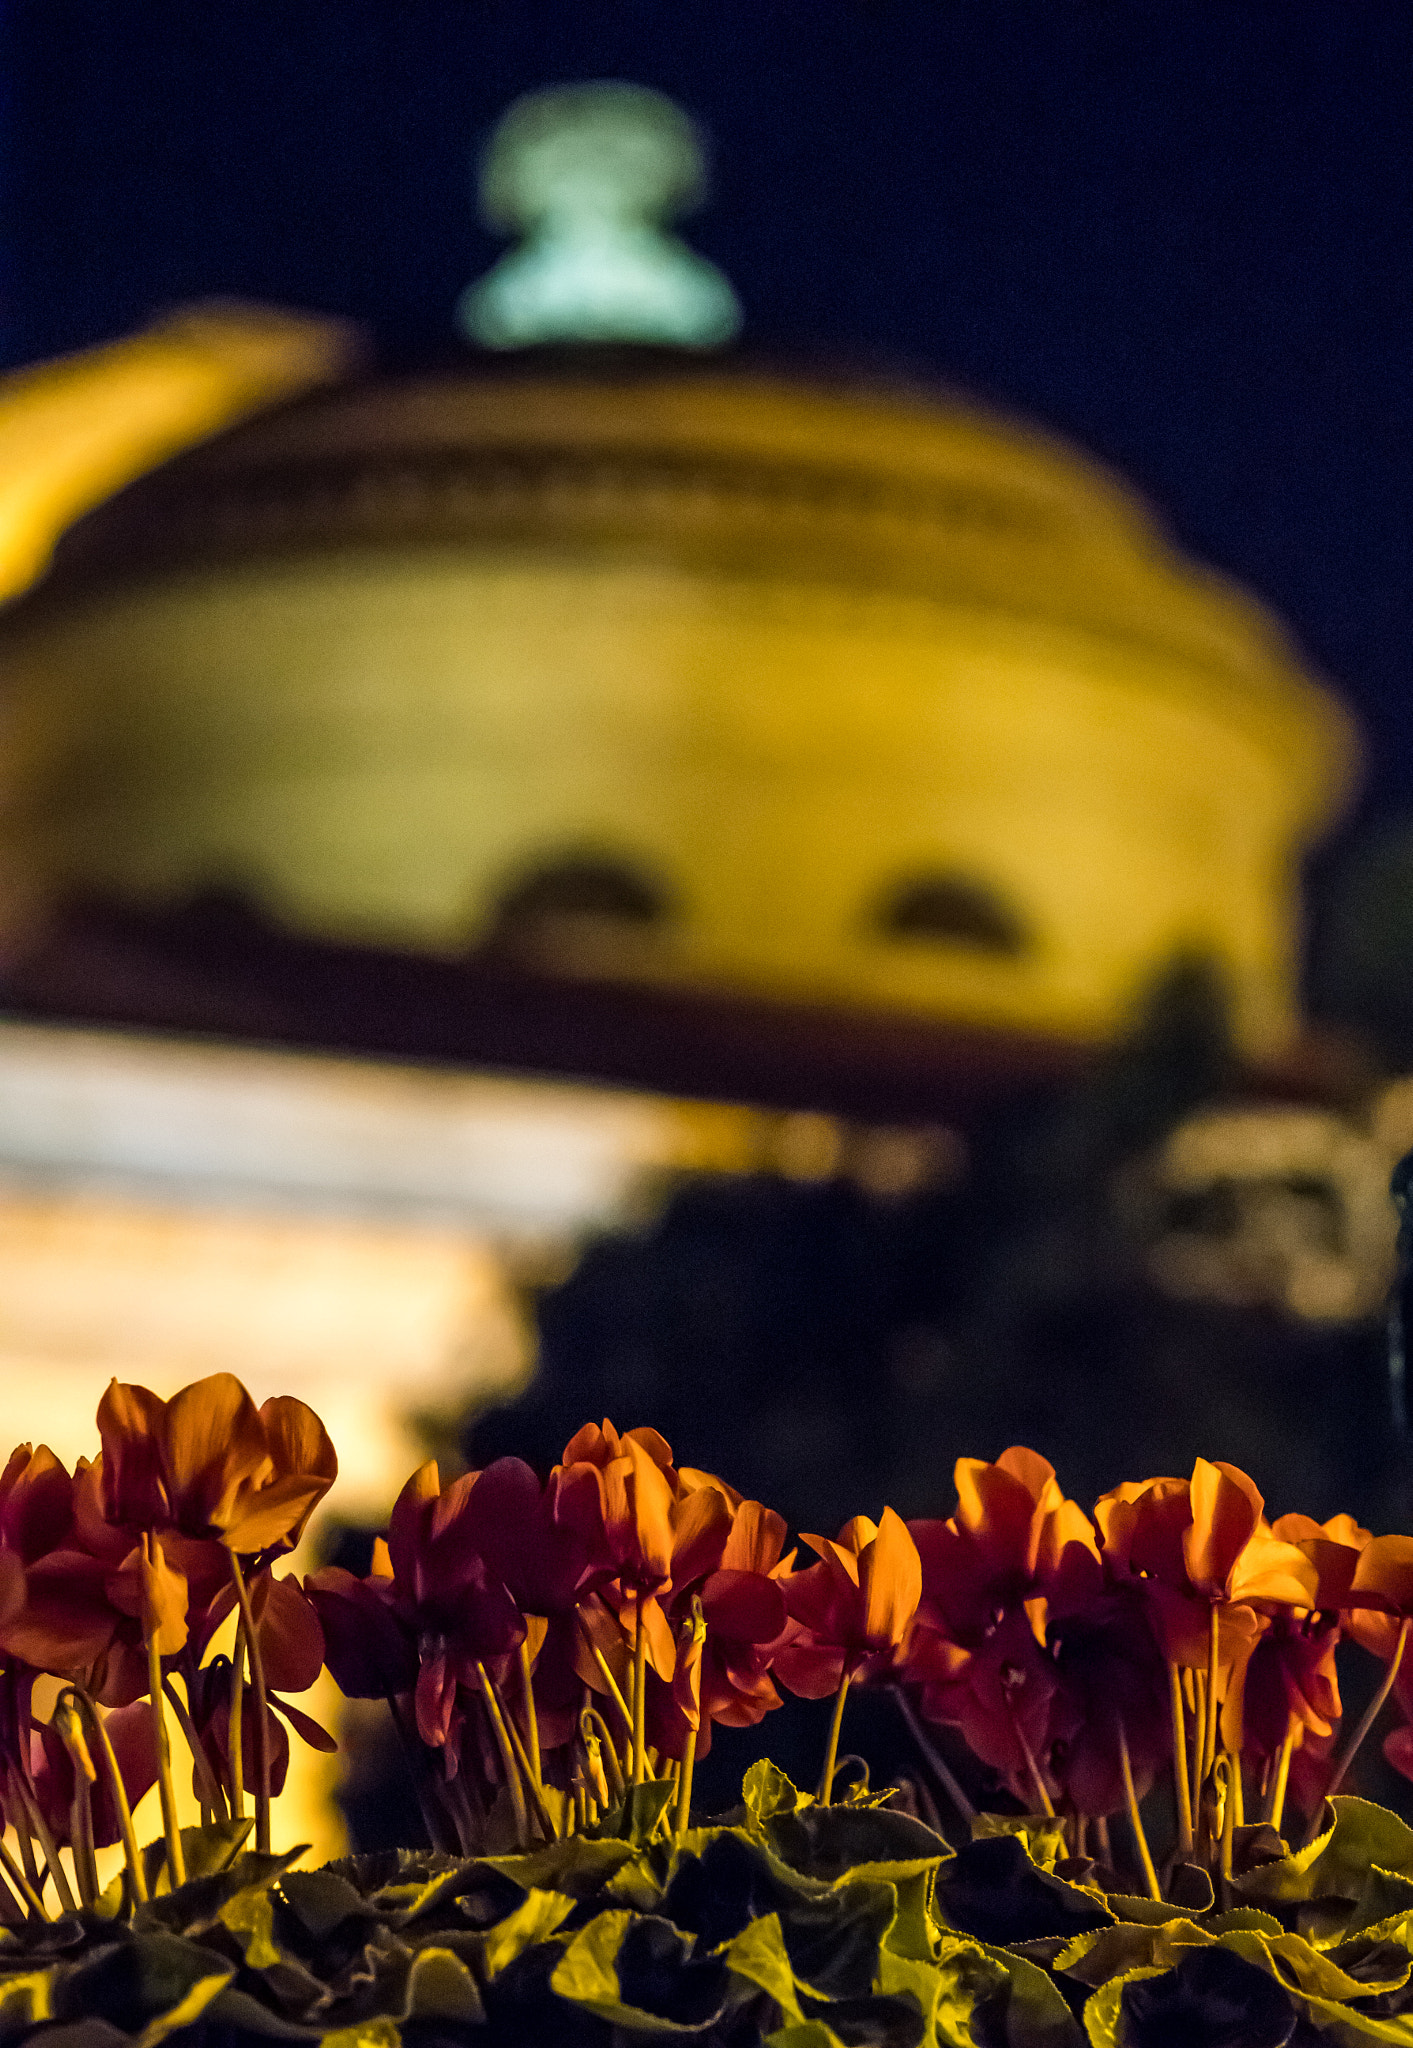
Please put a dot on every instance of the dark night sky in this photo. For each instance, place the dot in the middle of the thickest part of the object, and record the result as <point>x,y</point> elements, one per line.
<point>1177,231</point>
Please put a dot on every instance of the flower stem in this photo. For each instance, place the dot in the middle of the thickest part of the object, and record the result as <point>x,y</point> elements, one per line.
<point>507,1756</point>
<point>21,1883</point>
<point>176,1862</point>
<point>684,1783</point>
<point>522,1758</point>
<point>1181,1791</point>
<point>1209,1747</point>
<point>615,1694</point>
<point>1199,1742</point>
<point>605,1765</point>
<point>1135,1819</point>
<point>933,1757</point>
<point>81,1839</point>
<point>532,1719</point>
<point>137,1876</point>
<point>22,1835</point>
<point>211,1793</point>
<point>831,1752</point>
<point>1038,1785</point>
<point>40,1830</point>
<point>1276,1809</point>
<point>235,1734</point>
<point>434,1819</point>
<point>1231,1802</point>
<point>262,1712</point>
<point>1355,1743</point>
<point>640,1697</point>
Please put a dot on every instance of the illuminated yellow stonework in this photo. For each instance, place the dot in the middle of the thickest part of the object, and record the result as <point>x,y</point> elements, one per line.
<point>784,649</point>
<point>76,430</point>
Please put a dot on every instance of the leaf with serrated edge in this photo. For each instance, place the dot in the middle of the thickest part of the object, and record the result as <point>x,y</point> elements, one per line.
<point>439,1986</point>
<point>25,2001</point>
<point>1102,2012</point>
<point>1114,1951</point>
<point>188,2008</point>
<point>758,1954</point>
<point>250,1917</point>
<point>535,1919</point>
<point>366,2034</point>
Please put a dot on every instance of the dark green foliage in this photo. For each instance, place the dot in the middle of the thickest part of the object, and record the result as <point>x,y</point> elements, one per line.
<point>788,1925</point>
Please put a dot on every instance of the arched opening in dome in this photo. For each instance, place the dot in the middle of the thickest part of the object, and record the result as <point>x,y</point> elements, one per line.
<point>945,908</point>
<point>580,908</point>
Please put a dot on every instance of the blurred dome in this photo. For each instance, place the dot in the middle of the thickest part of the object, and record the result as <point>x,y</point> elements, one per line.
<point>631,668</point>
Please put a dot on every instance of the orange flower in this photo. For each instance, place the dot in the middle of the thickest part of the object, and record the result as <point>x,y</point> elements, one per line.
<point>1290,1682</point>
<point>210,1464</point>
<point>1198,1546</point>
<point>854,1609</point>
<point>1014,1542</point>
<point>743,1604</point>
<point>628,1503</point>
<point>55,1613</point>
<point>1013,1560</point>
<point>461,1614</point>
<point>1380,1595</point>
<point>1333,1548</point>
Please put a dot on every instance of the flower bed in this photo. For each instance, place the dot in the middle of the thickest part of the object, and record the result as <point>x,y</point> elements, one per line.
<point>1151,1691</point>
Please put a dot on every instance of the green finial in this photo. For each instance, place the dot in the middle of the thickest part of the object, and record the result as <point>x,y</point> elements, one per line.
<point>588,175</point>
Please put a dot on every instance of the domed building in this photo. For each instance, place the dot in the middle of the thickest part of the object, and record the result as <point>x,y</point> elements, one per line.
<point>603,694</point>
<point>616,667</point>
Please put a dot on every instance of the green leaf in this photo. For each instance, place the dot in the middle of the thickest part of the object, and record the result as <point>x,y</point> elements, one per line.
<point>87,2033</point>
<point>250,1917</point>
<point>1029,2010</point>
<point>1146,1912</point>
<point>206,1852</point>
<point>1337,1863</point>
<point>535,1919</point>
<point>848,1842</point>
<point>643,1810</point>
<point>1103,2012</point>
<point>1044,1837</point>
<point>759,1955</point>
<point>1299,1965</point>
<point>25,2001</point>
<point>913,1931</point>
<point>834,1937</point>
<point>589,1973</point>
<point>439,1986</point>
<point>241,2014</point>
<point>145,1983</point>
<point>969,1976</point>
<point>766,1791</point>
<point>1243,1920</point>
<point>991,1889</point>
<point>639,1884</point>
<point>321,1901</point>
<point>366,2034</point>
<point>1114,1951</point>
<point>579,1866</point>
<point>1386,1895</point>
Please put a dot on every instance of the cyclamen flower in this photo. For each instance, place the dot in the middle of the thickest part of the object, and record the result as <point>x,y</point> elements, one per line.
<point>743,1605</point>
<point>462,1614</point>
<point>1014,1559</point>
<point>210,1464</point>
<point>854,1609</point>
<point>55,1611</point>
<point>1200,1553</point>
